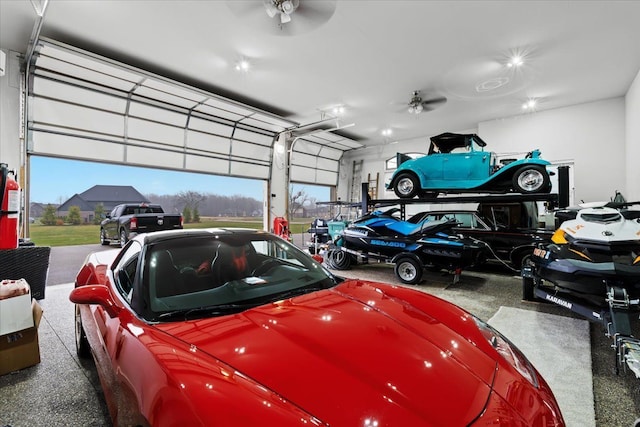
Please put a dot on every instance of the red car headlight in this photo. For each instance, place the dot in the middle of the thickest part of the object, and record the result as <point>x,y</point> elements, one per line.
<point>508,351</point>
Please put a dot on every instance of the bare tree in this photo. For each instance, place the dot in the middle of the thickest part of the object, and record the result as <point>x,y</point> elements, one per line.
<point>191,199</point>
<point>298,197</point>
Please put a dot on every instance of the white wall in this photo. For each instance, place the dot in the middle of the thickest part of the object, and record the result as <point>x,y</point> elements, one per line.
<point>592,135</point>
<point>632,108</point>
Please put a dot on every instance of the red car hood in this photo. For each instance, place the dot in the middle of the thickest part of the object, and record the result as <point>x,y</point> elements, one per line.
<point>353,356</point>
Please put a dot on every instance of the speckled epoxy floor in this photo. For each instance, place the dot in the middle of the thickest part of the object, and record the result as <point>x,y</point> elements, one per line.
<point>63,391</point>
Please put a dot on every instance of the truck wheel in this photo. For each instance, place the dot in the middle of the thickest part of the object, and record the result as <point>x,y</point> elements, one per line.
<point>103,238</point>
<point>82,345</point>
<point>407,186</point>
<point>408,270</point>
<point>531,179</point>
<point>123,238</point>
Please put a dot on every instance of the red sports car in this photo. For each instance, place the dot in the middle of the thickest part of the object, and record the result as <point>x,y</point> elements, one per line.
<point>229,327</point>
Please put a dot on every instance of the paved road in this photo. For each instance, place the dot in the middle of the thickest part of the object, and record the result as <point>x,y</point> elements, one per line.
<point>65,261</point>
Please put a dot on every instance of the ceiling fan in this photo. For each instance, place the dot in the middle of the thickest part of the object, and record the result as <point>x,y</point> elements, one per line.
<point>284,8</point>
<point>417,104</point>
<point>293,17</point>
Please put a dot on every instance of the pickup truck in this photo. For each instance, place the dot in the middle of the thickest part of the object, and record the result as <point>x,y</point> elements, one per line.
<point>127,220</point>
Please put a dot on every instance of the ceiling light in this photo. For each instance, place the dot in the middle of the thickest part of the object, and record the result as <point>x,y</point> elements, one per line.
<point>415,108</point>
<point>515,61</point>
<point>338,110</point>
<point>288,7</point>
<point>386,132</point>
<point>529,105</point>
<point>243,66</point>
<point>283,7</point>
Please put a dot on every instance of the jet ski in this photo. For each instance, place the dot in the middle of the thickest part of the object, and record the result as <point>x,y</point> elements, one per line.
<point>592,267</point>
<point>383,236</point>
<point>596,251</point>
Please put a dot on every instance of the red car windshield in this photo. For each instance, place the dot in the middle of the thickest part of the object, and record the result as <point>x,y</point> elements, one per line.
<point>215,275</point>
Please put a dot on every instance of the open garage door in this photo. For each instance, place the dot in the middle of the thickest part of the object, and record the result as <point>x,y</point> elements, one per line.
<point>315,159</point>
<point>90,108</point>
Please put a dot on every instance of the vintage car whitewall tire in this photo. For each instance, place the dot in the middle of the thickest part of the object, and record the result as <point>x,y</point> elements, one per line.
<point>531,179</point>
<point>407,185</point>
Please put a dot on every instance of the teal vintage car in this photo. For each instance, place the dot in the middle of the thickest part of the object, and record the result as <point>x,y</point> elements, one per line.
<point>457,163</point>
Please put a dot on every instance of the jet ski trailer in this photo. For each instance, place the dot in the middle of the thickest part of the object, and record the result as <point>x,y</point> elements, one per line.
<point>410,247</point>
<point>593,269</point>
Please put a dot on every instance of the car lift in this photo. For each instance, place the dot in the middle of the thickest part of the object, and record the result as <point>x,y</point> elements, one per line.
<point>555,200</point>
<point>615,316</point>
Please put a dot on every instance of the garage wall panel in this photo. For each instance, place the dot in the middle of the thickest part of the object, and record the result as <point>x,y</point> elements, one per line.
<point>255,137</point>
<point>208,142</point>
<point>250,170</point>
<point>250,151</point>
<point>211,127</point>
<point>150,131</point>
<point>156,114</point>
<point>207,164</point>
<point>76,147</point>
<point>46,88</point>
<point>154,157</point>
<point>72,118</point>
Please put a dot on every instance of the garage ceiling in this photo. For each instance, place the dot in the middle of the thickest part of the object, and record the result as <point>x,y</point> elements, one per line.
<point>366,56</point>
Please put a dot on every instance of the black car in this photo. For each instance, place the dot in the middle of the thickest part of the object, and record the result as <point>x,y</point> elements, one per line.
<point>510,230</point>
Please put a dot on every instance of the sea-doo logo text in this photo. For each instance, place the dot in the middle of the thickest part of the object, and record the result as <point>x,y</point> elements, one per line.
<point>559,301</point>
<point>391,244</point>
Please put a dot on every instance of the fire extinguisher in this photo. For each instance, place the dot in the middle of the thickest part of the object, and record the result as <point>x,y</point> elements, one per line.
<point>9,209</point>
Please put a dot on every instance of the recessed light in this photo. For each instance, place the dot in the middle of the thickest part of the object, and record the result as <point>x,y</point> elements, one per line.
<point>243,66</point>
<point>529,105</point>
<point>515,61</point>
<point>386,132</point>
<point>338,110</point>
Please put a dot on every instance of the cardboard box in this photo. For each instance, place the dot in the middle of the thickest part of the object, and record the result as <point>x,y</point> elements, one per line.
<point>15,314</point>
<point>20,349</point>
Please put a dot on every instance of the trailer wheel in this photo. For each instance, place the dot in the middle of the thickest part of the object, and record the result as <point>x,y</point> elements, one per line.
<point>408,270</point>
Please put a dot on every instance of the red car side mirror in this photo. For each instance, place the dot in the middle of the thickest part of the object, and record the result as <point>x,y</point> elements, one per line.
<point>95,294</point>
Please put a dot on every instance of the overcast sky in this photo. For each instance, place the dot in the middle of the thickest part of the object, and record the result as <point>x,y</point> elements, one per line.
<point>56,180</point>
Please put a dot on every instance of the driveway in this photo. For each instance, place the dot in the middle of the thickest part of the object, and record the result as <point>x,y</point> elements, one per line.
<point>65,261</point>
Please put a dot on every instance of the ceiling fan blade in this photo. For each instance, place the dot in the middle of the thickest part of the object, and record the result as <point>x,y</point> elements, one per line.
<point>320,11</point>
<point>435,101</point>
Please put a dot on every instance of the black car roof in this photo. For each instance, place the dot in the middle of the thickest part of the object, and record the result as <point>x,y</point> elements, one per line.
<point>445,142</point>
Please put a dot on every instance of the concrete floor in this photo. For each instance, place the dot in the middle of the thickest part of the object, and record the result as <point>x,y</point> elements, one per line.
<point>64,391</point>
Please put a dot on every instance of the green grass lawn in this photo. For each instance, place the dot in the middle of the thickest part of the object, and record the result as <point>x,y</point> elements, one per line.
<point>69,235</point>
